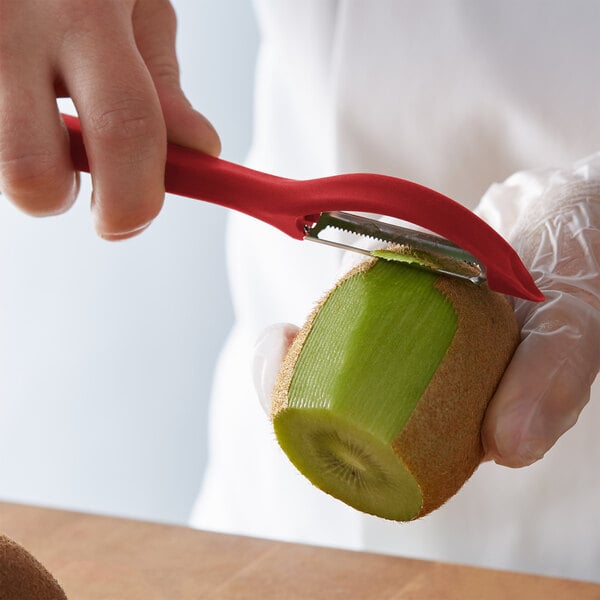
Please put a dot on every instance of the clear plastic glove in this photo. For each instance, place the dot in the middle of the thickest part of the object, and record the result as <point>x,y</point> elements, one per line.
<point>552,218</point>
<point>116,60</point>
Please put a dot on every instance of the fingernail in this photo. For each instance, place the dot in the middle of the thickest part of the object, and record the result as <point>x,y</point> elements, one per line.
<point>124,235</point>
<point>76,184</point>
<point>74,191</point>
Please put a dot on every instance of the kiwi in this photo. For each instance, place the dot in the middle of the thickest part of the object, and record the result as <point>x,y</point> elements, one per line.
<point>380,399</point>
<point>22,577</point>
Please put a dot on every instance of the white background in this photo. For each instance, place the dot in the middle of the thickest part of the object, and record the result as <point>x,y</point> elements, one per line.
<point>107,350</point>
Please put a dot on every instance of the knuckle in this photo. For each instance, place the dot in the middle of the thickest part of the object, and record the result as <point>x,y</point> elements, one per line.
<point>165,70</point>
<point>93,16</point>
<point>130,120</point>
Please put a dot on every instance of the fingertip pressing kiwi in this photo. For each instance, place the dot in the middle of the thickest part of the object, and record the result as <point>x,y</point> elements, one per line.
<point>380,399</point>
<point>23,577</point>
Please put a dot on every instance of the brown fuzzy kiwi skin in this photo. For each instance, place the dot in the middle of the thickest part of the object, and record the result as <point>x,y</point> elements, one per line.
<point>458,394</point>
<point>441,442</point>
<point>22,577</point>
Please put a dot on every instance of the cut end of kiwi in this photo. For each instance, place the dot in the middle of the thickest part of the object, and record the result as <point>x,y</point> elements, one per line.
<point>349,463</point>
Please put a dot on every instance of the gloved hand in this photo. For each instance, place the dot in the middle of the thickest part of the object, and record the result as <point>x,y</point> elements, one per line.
<point>117,62</point>
<point>552,219</point>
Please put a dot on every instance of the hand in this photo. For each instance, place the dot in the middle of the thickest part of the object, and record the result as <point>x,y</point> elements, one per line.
<point>552,219</point>
<point>116,60</point>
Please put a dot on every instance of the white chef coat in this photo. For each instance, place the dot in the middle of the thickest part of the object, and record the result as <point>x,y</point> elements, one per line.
<point>456,95</point>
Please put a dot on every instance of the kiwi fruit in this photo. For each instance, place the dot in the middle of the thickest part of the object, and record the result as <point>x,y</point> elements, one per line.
<point>380,398</point>
<point>22,577</point>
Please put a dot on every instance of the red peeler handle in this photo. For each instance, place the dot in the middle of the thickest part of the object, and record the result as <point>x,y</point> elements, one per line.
<point>291,205</point>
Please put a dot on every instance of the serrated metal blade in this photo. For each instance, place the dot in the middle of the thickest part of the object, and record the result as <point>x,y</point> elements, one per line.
<point>443,255</point>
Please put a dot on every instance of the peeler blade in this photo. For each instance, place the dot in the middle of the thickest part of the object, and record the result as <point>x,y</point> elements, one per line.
<point>380,239</point>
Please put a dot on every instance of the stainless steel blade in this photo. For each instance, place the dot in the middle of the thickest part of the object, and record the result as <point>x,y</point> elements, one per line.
<point>443,255</point>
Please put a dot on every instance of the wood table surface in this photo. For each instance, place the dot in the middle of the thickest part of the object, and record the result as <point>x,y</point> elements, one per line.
<point>98,557</point>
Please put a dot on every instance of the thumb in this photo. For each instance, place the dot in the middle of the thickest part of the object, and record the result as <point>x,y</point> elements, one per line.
<point>269,351</point>
<point>155,26</point>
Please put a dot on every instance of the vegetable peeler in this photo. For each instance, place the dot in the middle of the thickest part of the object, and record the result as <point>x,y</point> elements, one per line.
<point>310,209</point>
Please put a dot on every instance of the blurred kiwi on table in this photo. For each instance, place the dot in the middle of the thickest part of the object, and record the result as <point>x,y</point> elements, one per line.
<point>23,577</point>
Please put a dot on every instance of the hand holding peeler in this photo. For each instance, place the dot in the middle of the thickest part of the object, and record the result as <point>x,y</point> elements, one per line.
<point>308,209</point>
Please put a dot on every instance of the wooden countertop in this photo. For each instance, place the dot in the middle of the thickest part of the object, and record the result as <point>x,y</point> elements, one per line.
<point>95,557</point>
